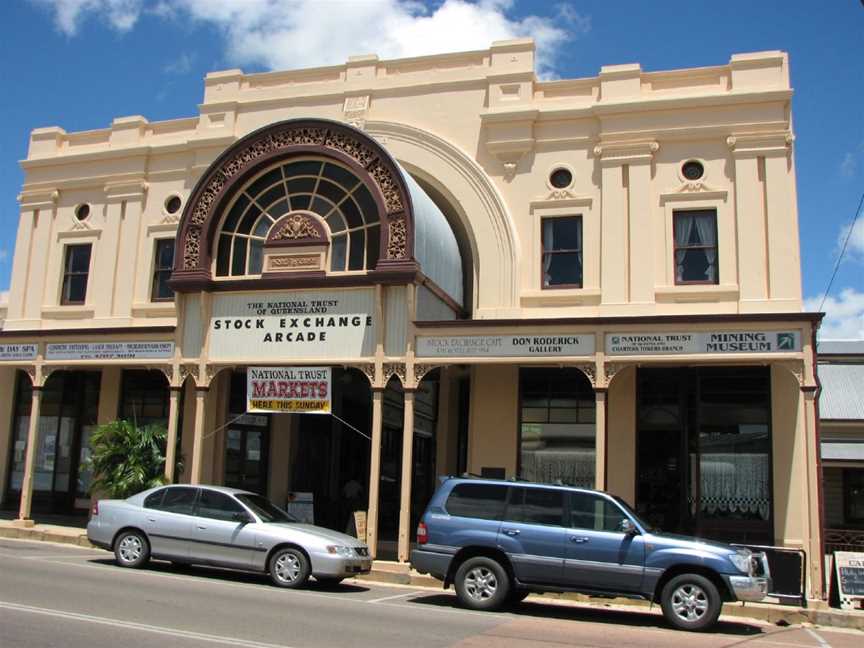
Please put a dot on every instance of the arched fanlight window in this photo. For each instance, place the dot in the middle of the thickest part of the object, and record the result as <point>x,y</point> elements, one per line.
<point>312,185</point>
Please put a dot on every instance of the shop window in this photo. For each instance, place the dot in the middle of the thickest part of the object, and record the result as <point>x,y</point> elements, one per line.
<point>163,262</point>
<point>704,452</point>
<point>536,506</point>
<point>144,397</point>
<point>695,247</point>
<point>76,268</point>
<point>67,418</point>
<point>324,188</point>
<point>562,252</point>
<point>557,427</point>
<point>853,496</point>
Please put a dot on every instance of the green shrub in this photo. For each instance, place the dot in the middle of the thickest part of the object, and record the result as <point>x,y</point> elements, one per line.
<point>126,459</point>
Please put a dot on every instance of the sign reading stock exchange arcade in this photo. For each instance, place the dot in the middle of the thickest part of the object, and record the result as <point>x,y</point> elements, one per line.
<point>290,325</point>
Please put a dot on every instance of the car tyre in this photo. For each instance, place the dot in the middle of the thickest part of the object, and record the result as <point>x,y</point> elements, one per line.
<point>482,584</point>
<point>132,549</point>
<point>289,567</point>
<point>691,602</point>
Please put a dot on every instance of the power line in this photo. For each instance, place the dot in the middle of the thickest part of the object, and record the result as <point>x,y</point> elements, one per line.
<point>842,250</point>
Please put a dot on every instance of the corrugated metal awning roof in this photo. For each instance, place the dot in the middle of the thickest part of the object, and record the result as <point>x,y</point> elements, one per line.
<point>842,391</point>
<point>840,347</point>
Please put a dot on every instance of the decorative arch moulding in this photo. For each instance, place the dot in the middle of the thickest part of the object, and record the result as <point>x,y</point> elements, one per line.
<point>365,157</point>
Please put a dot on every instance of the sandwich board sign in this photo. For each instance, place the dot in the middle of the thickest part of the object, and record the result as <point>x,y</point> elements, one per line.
<point>850,578</point>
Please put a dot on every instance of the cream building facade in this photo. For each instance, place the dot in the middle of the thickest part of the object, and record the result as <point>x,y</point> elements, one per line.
<point>591,280</point>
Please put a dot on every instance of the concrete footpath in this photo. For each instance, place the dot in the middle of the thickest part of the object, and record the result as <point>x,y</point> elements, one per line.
<point>399,573</point>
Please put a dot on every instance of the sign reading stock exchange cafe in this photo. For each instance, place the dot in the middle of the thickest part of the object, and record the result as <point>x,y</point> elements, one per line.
<point>300,390</point>
<point>305,324</point>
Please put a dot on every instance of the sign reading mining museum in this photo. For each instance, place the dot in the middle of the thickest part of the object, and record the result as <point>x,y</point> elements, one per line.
<point>299,324</point>
<point>500,346</point>
<point>703,342</point>
<point>301,390</point>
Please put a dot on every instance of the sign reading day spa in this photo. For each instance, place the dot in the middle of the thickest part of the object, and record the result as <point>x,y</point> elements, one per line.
<point>297,324</point>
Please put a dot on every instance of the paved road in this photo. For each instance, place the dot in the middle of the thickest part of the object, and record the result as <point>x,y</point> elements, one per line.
<point>56,595</point>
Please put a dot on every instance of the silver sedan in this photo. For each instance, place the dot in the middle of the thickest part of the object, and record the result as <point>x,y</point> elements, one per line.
<point>213,525</point>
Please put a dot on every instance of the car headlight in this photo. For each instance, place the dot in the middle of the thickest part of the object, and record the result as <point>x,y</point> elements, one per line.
<point>340,551</point>
<point>741,560</point>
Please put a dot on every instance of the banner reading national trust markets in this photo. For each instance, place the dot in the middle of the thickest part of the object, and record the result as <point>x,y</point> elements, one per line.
<point>299,390</point>
<point>703,342</point>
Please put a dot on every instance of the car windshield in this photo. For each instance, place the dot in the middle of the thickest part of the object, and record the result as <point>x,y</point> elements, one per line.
<point>633,514</point>
<point>264,509</point>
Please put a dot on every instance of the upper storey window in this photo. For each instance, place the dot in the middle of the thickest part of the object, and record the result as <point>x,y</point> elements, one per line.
<point>562,252</point>
<point>310,185</point>
<point>695,246</point>
<point>76,269</point>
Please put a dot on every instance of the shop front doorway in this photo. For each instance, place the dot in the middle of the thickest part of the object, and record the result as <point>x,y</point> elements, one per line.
<point>61,481</point>
<point>704,452</point>
<point>246,456</point>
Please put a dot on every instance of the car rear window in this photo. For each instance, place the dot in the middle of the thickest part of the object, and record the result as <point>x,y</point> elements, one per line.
<point>178,499</point>
<point>153,500</point>
<point>482,501</point>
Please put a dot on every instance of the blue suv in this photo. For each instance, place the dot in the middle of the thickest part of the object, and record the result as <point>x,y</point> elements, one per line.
<point>498,541</point>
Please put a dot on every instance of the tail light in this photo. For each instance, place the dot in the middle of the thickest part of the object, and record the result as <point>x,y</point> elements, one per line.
<point>94,508</point>
<point>422,534</point>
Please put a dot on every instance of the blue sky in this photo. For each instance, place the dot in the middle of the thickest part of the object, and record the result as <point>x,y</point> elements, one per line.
<point>80,63</point>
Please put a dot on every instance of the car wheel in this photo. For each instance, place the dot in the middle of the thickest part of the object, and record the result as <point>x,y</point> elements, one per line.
<point>482,584</point>
<point>132,549</point>
<point>691,602</point>
<point>289,568</point>
<point>328,581</point>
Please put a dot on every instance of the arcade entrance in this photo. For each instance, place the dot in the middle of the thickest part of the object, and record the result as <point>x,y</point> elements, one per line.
<point>325,463</point>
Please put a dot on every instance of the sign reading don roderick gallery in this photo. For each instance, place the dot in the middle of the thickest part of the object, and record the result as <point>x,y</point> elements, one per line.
<point>304,324</point>
<point>302,390</point>
<point>703,342</point>
<point>501,346</point>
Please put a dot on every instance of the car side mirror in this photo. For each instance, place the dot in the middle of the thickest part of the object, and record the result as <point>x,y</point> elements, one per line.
<point>242,518</point>
<point>627,527</point>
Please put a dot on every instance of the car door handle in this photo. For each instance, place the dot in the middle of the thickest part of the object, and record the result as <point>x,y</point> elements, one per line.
<point>579,539</point>
<point>149,519</point>
<point>201,526</point>
<point>511,532</point>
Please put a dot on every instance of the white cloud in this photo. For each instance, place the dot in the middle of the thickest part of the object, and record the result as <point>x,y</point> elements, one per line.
<point>287,34</point>
<point>121,15</point>
<point>849,165</point>
<point>182,65</point>
<point>844,315</point>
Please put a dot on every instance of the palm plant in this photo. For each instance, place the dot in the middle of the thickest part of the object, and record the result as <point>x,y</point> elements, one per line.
<point>126,459</point>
